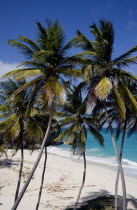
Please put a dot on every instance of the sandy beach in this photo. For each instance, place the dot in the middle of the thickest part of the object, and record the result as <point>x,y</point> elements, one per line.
<point>62,181</point>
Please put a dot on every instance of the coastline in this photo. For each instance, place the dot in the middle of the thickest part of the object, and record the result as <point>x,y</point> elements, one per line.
<point>62,181</point>
<point>92,163</point>
<point>130,169</point>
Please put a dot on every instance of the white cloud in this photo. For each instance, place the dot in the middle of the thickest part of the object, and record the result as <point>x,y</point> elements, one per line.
<point>6,67</point>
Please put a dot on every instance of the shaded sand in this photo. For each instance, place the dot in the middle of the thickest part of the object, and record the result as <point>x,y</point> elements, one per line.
<point>62,181</point>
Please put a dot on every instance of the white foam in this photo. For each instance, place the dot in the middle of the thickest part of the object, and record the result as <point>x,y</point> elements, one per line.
<point>93,150</point>
<point>129,167</point>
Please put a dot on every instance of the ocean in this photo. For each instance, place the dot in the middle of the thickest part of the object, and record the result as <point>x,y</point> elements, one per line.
<point>105,155</point>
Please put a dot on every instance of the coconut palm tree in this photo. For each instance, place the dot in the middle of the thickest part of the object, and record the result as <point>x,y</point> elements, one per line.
<point>78,120</point>
<point>116,108</point>
<point>13,124</point>
<point>124,126</point>
<point>34,124</point>
<point>55,130</point>
<point>47,64</point>
<point>103,74</point>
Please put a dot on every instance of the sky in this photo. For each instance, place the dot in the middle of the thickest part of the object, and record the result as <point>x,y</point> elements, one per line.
<point>17,17</point>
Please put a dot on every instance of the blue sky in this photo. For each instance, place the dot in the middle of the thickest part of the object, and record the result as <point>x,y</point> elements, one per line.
<point>17,17</point>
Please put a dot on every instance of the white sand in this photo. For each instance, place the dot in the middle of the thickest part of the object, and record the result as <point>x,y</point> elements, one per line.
<point>62,181</point>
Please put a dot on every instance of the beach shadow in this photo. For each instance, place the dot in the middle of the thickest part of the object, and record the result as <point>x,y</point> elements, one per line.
<point>132,200</point>
<point>93,195</point>
<point>102,200</point>
<point>8,163</point>
<point>94,200</point>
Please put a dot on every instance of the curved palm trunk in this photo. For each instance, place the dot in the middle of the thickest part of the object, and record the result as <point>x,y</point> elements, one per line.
<point>118,161</point>
<point>22,160</point>
<point>118,170</point>
<point>34,167</point>
<point>83,181</point>
<point>42,179</point>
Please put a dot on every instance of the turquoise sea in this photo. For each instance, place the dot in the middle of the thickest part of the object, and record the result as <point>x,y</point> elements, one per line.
<point>105,155</point>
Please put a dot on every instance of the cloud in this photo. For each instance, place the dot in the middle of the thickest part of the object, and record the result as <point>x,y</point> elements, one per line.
<point>6,67</point>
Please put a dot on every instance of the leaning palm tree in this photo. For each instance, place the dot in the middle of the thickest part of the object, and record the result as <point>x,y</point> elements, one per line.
<point>47,64</point>
<point>127,124</point>
<point>103,74</point>
<point>75,116</point>
<point>15,124</point>
<point>55,130</point>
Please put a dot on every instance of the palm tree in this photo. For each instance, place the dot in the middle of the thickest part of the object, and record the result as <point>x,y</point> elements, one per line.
<point>34,124</point>
<point>125,125</point>
<point>103,74</point>
<point>47,64</point>
<point>74,114</point>
<point>55,130</point>
<point>15,124</point>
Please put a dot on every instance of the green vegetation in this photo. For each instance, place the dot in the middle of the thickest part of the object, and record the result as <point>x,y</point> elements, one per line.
<point>41,97</point>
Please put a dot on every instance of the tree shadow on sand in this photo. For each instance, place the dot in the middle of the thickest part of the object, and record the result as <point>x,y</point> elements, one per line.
<point>8,163</point>
<point>102,200</point>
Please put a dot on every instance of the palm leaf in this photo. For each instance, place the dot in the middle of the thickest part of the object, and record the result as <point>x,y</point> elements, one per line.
<point>53,87</point>
<point>119,103</point>
<point>125,55</point>
<point>129,96</point>
<point>32,44</point>
<point>103,88</point>
<point>28,52</point>
<point>97,135</point>
<point>67,120</point>
<point>15,129</point>
<point>69,72</point>
<point>28,73</point>
<point>70,138</point>
<point>8,122</point>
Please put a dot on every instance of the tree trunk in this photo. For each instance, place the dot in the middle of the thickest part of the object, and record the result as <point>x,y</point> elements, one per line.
<point>118,161</point>
<point>118,170</point>
<point>34,167</point>
<point>22,159</point>
<point>42,179</point>
<point>20,173</point>
<point>83,181</point>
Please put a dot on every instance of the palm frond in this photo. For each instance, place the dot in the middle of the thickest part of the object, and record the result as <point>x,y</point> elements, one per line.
<point>97,135</point>
<point>8,122</point>
<point>129,96</point>
<point>103,88</point>
<point>28,52</point>
<point>67,120</point>
<point>119,103</point>
<point>32,44</point>
<point>125,55</point>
